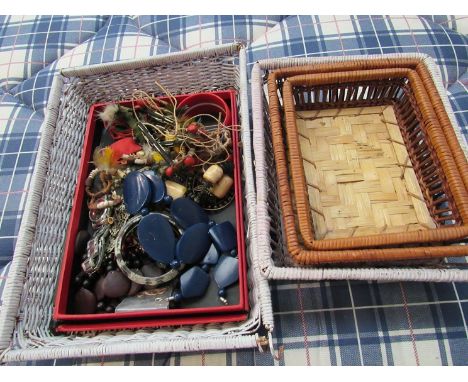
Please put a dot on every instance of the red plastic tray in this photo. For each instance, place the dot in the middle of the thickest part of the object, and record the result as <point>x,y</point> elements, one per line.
<point>150,318</point>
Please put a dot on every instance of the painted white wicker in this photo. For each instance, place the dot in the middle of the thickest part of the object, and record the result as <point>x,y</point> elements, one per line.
<point>28,298</point>
<point>274,261</point>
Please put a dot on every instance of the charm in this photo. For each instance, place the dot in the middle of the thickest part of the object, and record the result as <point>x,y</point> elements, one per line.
<point>95,251</point>
<point>225,274</point>
<point>136,192</point>
<point>224,237</point>
<point>193,283</point>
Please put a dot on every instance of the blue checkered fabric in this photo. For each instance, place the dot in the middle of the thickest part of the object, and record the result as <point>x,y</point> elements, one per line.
<point>326,323</point>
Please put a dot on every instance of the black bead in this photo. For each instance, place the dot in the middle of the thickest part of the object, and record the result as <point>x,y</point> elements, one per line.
<point>109,309</point>
<point>228,168</point>
<point>87,283</point>
<point>77,279</point>
<point>137,263</point>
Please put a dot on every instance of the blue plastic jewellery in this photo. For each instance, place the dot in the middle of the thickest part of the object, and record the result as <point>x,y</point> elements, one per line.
<point>178,235</point>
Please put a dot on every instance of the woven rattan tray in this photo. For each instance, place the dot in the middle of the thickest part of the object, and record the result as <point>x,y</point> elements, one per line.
<point>378,214</point>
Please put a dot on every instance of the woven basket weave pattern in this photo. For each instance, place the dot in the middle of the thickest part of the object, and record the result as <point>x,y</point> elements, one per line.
<point>276,261</point>
<point>358,177</point>
<point>316,91</point>
<point>213,72</point>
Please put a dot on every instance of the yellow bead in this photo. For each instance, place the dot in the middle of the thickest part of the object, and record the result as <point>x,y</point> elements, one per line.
<point>221,188</point>
<point>213,174</point>
<point>157,157</point>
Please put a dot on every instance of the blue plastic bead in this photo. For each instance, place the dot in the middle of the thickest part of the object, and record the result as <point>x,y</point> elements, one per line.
<point>136,192</point>
<point>168,200</point>
<point>194,244</point>
<point>157,238</point>
<point>224,237</point>
<point>158,187</point>
<point>194,283</point>
<point>144,211</point>
<point>212,256</point>
<point>221,293</point>
<point>226,271</point>
<point>211,223</point>
<point>175,264</point>
<point>233,253</point>
<point>187,213</point>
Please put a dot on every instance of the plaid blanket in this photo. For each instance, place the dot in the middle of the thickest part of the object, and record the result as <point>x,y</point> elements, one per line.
<point>326,323</point>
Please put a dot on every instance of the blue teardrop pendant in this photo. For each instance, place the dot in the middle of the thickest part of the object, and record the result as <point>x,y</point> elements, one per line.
<point>158,187</point>
<point>226,271</point>
<point>187,213</point>
<point>193,244</point>
<point>136,192</point>
<point>157,238</point>
<point>194,283</point>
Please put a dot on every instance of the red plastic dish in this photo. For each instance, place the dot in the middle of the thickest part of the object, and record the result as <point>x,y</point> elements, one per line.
<point>158,317</point>
<point>208,103</point>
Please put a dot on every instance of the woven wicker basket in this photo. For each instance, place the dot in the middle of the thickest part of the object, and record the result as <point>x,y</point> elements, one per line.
<point>29,293</point>
<point>359,173</point>
<point>275,259</point>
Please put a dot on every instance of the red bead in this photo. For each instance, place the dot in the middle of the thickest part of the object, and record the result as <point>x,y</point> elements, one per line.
<point>192,128</point>
<point>189,161</point>
<point>169,171</point>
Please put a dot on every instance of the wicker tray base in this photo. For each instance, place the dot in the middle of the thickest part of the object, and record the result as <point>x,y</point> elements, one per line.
<point>359,176</point>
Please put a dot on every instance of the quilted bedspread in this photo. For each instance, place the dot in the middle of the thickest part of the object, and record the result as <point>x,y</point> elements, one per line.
<point>316,323</point>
